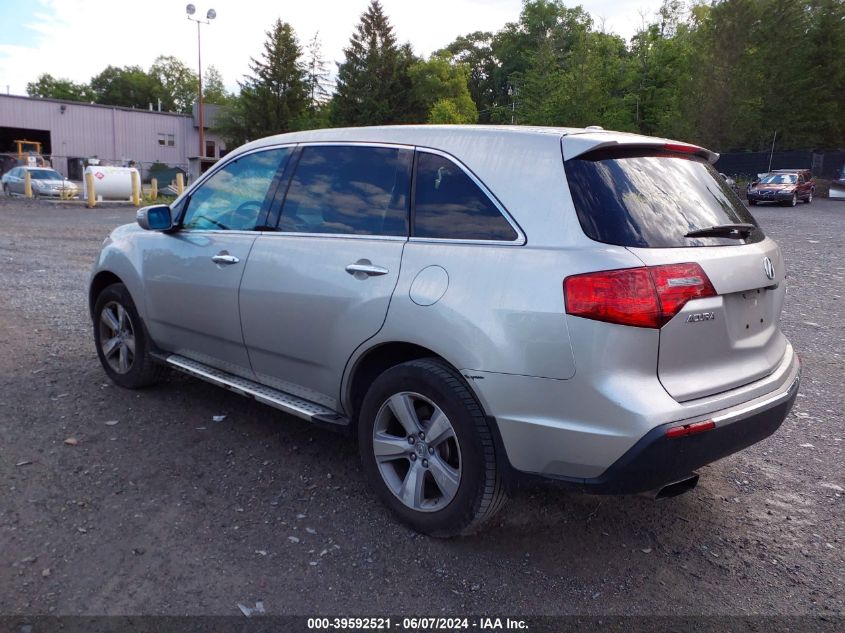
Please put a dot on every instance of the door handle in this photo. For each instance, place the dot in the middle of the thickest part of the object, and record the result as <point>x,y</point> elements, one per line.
<point>224,258</point>
<point>365,268</point>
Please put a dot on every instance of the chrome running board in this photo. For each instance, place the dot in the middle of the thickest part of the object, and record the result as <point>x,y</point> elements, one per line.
<point>266,395</point>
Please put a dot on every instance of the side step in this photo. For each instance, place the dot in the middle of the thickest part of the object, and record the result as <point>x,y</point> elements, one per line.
<point>293,405</point>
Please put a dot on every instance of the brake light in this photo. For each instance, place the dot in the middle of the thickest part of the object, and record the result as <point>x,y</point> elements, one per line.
<point>678,283</point>
<point>690,429</point>
<point>682,148</point>
<point>643,297</point>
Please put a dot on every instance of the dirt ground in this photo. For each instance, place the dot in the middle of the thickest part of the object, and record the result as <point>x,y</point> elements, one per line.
<point>157,509</point>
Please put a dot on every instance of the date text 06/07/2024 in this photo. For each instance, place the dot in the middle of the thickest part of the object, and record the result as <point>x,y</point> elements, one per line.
<point>417,624</point>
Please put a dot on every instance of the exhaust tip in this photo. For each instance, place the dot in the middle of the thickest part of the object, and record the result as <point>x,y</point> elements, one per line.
<point>678,487</point>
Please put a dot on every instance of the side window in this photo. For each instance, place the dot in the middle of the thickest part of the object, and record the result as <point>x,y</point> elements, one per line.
<point>233,198</point>
<point>348,189</point>
<point>449,205</point>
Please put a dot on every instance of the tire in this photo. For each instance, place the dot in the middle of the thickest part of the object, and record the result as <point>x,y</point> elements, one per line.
<point>809,198</point>
<point>432,395</point>
<point>752,203</point>
<point>6,191</point>
<point>794,200</point>
<point>127,361</point>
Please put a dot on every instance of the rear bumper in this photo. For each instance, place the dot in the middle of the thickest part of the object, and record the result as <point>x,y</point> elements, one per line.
<point>579,429</point>
<point>655,461</point>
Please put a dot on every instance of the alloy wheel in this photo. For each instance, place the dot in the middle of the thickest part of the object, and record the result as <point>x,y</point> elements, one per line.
<point>417,452</point>
<point>117,337</point>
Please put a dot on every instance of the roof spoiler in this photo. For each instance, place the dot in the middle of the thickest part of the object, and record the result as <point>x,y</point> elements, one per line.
<point>575,145</point>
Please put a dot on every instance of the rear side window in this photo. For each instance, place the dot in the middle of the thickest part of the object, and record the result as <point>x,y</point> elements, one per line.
<point>641,198</point>
<point>353,190</point>
<point>449,205</point>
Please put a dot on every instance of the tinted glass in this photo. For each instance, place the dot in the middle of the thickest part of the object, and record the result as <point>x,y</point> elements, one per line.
<point>629,198</point>
<point>233,198</point>
<point>349,190</point>
<point>449,205</point>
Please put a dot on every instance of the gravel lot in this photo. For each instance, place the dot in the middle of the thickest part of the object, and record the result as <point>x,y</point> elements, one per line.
<point>160,510</point>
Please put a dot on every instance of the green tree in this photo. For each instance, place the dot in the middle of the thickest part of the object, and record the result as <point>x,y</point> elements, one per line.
<point>474,51</point>
<point>130,87</point>
<point>441,83</point>
<point>213,89</point>
<point>273,100</point>
<point>826,34</point>
<point>48,87</point>
<point>373,84</point>
<point>179,83</point>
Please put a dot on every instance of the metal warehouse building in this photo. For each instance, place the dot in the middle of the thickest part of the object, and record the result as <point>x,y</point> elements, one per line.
<point>71,133</point>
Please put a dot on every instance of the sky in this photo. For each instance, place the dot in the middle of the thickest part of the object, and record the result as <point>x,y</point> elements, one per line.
<point>76,39</point>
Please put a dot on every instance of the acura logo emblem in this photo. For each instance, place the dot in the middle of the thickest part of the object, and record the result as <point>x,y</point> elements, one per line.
<point>769,268</point>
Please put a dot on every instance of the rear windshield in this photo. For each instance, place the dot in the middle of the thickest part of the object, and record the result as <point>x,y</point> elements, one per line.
<point>642,198</point>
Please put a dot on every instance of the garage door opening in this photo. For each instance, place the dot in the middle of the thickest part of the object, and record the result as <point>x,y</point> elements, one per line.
<point>9,156</point>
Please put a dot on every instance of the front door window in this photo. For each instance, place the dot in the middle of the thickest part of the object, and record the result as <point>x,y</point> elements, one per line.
<point>235,197</point>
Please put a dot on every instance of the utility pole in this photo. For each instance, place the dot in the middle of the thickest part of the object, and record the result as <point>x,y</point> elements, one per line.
<point>190,10</point>
<point>513,93</point>
<point>772,153</point>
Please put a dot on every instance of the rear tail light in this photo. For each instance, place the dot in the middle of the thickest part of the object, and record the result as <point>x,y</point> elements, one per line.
<point>643,297</point>
<point>690,429</point>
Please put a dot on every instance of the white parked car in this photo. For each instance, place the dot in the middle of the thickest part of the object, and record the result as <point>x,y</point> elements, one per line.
<point>46,182</point>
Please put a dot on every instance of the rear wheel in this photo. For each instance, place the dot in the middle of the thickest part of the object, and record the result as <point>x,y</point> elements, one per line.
<point>122,344</point>
<point>809,198</point>
<point>427,449</point>
<point>752,203</point>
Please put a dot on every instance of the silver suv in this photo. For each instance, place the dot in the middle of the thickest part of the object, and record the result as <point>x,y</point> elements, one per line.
<point>478,304</point>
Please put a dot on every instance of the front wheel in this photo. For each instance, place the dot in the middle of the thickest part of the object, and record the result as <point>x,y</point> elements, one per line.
<point>427,450</point>
<point>752,203</point>
<point>794,200</point>
<point>809,198</point>
<point>121,340</point>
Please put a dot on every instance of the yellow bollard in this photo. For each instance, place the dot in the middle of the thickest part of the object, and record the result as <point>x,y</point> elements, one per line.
<point>154,189</point>
<point>27,184</point>
<point>136,188</point>
<point>92,195</point>
<point>180,183</point>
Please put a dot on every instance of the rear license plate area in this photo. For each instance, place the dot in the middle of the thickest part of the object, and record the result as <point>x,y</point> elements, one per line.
<point>749,311</point>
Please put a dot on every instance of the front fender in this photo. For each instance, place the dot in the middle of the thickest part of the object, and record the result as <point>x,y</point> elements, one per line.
<point>119,257</point>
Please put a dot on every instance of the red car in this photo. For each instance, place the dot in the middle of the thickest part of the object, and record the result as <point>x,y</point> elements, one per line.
<point>784,186</point>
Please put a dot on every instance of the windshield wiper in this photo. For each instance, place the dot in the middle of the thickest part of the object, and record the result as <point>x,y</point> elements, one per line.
<point>732,231</point>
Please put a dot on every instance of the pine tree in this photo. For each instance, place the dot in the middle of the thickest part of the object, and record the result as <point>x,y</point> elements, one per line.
<point>373,85</point>
<point>276,95</point>
<point>316,74</point>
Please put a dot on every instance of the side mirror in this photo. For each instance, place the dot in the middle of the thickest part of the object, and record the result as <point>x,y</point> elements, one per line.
<point>154,218</point>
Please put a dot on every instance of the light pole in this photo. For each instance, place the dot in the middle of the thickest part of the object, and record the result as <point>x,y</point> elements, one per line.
<point>190,10</point>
